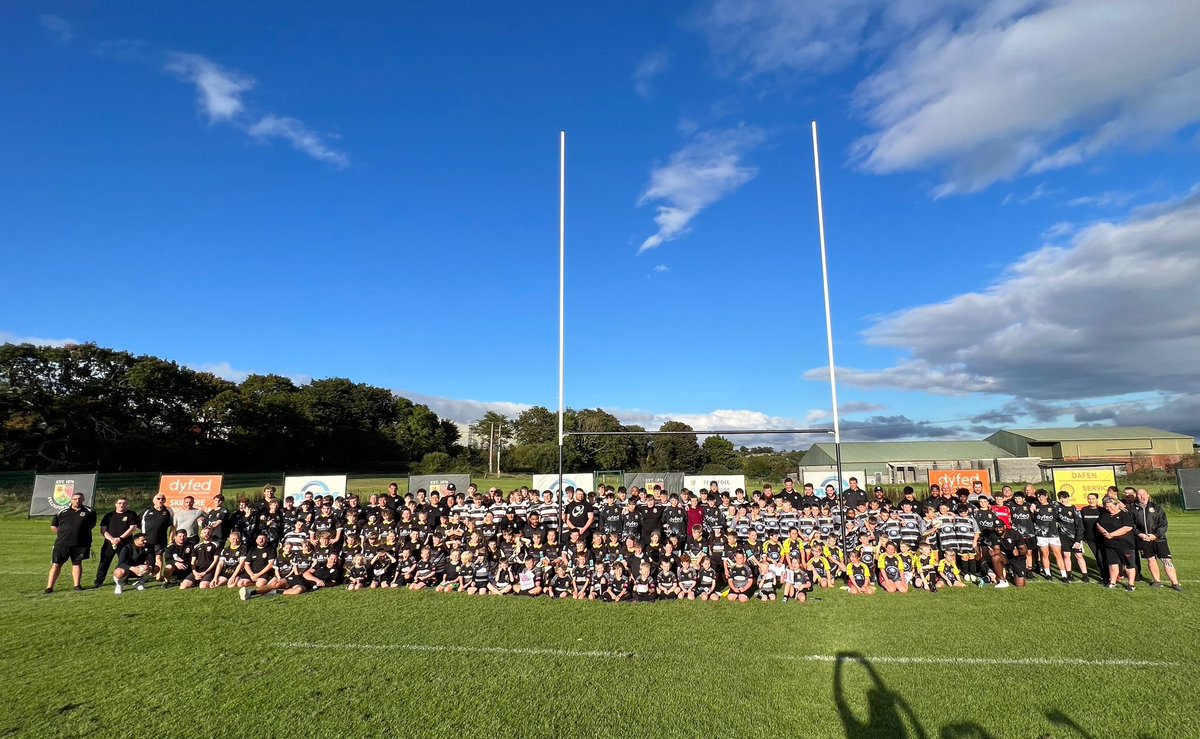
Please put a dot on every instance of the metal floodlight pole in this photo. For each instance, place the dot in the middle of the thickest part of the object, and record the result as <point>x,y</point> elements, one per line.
<point>837,427</point>
<point>562,261</point>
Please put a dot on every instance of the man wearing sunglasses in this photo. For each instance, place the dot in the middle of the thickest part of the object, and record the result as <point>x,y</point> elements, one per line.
<point>156,524</point>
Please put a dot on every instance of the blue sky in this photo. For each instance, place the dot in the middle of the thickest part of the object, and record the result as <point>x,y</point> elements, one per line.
<point>1012,220</point>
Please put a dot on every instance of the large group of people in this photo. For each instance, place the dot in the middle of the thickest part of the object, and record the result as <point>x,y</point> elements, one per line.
<point>624,544</point>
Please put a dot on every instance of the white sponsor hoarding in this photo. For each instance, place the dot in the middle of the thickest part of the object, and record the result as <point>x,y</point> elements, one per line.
<point>296,486</point>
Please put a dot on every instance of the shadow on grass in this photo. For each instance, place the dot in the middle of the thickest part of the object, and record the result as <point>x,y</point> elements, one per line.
<point>889,716</point>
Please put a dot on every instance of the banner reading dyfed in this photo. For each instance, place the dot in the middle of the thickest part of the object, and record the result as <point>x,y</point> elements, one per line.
<point>296,486</point>
<point>201,488</point>
<point>952,480</point>
<point>52,493</point>
<point>1080,481</point>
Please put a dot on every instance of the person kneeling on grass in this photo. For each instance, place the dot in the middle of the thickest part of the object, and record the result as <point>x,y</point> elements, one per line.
<point>178,559</point>
<point>666,583</point>
<point>741,579</point>
<point>205,561</point>
<point>358,576</point>
<point>425,572</point>
<point>796,582</point>
<point>529,580</point>
<point>233,563</point>
<point>454,574</point>
<point>948,573</point>
<point>767,581</point>
<point>501,581</point>
<point>1009,557</point>
<point>259,570</point>
<point>858,575</point>
<point>616,585</point>
<point>324,573</point>
<point>134,559</point>
<point>643,584</point>
<point>892,570</point>
<point>820,569</point>
<point>562,586</point>
<point>687,580</point>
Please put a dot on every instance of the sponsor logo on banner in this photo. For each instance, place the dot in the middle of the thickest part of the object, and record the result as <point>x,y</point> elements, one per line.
<point>585,480</point>
<point>201,488</point>
<point>820,479</point>
<point>725,483</point>
<point>952,480</point>
<point>61,497</point>
<point>1082,481</point>
<point>299,485</point>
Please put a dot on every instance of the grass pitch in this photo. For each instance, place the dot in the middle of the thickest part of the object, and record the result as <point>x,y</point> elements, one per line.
<point>1051,660</point>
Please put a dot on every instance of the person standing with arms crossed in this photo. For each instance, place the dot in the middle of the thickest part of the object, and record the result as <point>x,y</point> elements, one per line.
<point>1116,530</point>
<point>72,527</point>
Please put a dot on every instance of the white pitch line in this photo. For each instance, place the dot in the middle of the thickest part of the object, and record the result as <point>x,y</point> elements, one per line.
<point>986,661</point>
<point>528,651</point>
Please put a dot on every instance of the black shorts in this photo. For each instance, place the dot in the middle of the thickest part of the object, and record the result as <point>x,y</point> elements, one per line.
<point>197,578</point>
<point>62,553</point>
<point>1031,543</point>
<point>296,580</point>
<point>1016,565</point>
<point>157,549</point>
<point>1122,557</point>
<point>1157,548</point>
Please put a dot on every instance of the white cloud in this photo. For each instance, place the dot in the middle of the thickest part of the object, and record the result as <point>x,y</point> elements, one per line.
<point>300,137</point>
<point>220,94</point>
<point>661,268</point>
<point>464,411</point>
<point>651,66</point>
<point>1058,230</point>
<point>224,370</point>
<point>7,337</point>
<point>1114,312</point>
<point>1003,92</point>
<point>58,26</point>
<point>1110,199</point>
<point>706,169</point>
<point>219,90</point>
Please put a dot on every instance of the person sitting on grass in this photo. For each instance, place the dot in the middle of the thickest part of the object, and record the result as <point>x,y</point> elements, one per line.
<point>768,581</point>
<point>455,574</point>
<point>562,586</point>
<point>178,559</point>
<point>741,579</point>
<point>947,571</point>
<point>358,576</point>
<point>529,580</point>
<point>501,581</point>
<point>233,562</point>
<point>205,561</point>
<point>796,580</point>
<point>892,570</point>
<point>858,575</point>
<point>425,573</point>
<point>134,559</point>
<point>616,585</point>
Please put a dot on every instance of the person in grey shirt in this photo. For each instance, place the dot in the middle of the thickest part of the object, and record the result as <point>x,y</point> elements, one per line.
<point>189,520</point>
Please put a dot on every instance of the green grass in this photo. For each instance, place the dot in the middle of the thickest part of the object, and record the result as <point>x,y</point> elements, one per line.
<point>171,663</point>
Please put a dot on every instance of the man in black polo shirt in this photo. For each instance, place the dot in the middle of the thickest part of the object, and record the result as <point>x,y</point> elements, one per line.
<point>854,495</point>
<point>133,559</point>
<point>1116,530</point>
<point>581,515</point>
<point>118,527</point>
<point>156,524</point>
<point>72,527</point>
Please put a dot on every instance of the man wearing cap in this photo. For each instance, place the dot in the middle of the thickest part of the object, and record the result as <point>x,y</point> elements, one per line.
<point>133,559</point>
<point>72,527</point>
<point>880,496</point>
<point>910,496</point>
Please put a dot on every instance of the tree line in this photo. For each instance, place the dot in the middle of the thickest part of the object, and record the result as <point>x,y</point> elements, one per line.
<point>529,443</point>
<point>83,407</point>
<point>86,407</point>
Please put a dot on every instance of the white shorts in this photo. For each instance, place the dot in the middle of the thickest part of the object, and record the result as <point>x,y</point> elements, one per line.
<point>1047,541</point>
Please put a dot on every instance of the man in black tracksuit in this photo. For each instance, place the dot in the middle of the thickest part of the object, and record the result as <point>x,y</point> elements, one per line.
<point>118,527</point>
<point>1151,524</point>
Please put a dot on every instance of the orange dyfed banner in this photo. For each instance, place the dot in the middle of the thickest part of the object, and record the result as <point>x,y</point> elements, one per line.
<point>952,480</point>
<point>201,487</point>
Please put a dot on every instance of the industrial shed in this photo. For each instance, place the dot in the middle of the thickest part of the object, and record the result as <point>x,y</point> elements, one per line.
<point>910,461</point>
<point>1136,446</point>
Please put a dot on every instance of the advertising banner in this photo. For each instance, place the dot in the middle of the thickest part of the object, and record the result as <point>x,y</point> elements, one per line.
<point>1189,486</point>
<point>585,480</point>
<point>725,483</point>
<point>672,482</point>
<point>297,485</point>
<point>952,480</point>
<point>1081,481</point>
<point>52,492</point>
<point>438,483</point>
<point>820,479</point>
<point>201,488</point>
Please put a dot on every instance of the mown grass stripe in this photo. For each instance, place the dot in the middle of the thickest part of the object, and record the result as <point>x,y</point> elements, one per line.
<point>525,651</point>
<point>985,661</point>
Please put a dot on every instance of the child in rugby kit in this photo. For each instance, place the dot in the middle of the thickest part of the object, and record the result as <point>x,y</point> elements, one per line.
<point>561,584</point>
<point>767,581</point>
<point>687,579</point>
<point>643,584</point>
<point>796,581</point>
<point>858,575</point>
<point>706,586</point>
<point>892,570</point>
<point>358,576</point>
<point>948,573</point>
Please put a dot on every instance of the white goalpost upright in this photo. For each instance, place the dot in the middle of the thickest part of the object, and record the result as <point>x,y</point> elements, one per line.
<point>837,425</point>
<point>563,433</point>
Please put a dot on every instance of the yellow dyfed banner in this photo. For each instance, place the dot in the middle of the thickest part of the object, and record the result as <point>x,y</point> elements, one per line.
<point>1081,481</point>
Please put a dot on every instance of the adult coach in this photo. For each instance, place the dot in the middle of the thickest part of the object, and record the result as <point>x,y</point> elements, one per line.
<point>1116,532</point>
<point>118,527</point>
<point>580,515</point>
<point>72,527</point>
<point>1151,523</point>
<point>156,525</point>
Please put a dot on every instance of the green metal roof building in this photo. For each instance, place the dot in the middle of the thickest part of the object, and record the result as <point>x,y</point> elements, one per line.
<point>906,461</point>
<point>1157,446</point>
